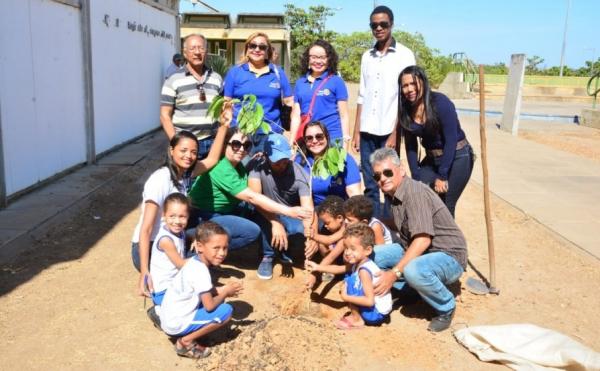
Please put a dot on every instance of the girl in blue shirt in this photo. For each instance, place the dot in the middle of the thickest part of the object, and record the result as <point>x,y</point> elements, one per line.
<point>432,117</point>
<point>345,184</point>
<point>319,64</point>
<point>257,75</point>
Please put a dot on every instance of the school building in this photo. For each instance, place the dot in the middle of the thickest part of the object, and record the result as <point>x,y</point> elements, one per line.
<point>77,79</point>
<point>227,39</point>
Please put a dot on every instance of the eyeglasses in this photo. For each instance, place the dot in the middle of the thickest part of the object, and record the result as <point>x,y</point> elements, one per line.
<point>318,57</point>
<point>261,47</point>
<point>384,25</point>
<point>387,172</point>
<point>196,48</point>
<point>317,137</point>
<point>236,145</point>
<point>201,93</point>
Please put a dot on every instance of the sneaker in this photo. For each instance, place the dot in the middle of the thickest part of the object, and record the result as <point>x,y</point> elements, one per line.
<point>151,312</point>
<point>441,322</point>
<point>265,269</point>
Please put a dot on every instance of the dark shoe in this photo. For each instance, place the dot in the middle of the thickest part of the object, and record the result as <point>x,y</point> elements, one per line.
<point>151,312</point>
<point>441,322</point>
<point>265,269</point>
<point>285,259</point>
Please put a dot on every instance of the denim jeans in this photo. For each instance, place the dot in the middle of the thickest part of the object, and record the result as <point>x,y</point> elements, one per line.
<point>293,227</point>
<point>458,176</point>
<point>241,231</point>
<point>204,147</point>
<point>369,143</point>
<point>427,274</point>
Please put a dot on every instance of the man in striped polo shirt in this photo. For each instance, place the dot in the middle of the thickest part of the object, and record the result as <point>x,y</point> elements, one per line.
<point>187,94</point>
<point>435,250</point>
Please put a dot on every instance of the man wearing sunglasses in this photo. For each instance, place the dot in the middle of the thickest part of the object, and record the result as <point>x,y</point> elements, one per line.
<point>285,182</point>
<point>435,250</point>
<point>377,102</point>
<point>187,94</point>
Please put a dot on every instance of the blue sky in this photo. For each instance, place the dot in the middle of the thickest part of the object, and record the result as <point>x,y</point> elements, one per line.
<point>487,31</point>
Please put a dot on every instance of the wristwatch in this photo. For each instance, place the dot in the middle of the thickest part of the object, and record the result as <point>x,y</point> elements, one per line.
<point>397,272</point>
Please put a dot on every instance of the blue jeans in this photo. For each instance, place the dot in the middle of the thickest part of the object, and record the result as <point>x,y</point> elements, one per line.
<point>204,147</point>
<point>458,176</point>
<point>369,143</point>
<point>241,231</point>
<point>427,274</point>
<point>292,227</point>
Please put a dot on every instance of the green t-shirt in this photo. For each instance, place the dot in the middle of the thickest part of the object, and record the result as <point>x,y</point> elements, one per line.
<point>216,190</point>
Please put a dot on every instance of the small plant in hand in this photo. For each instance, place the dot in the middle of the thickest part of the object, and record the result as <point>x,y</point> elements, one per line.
<point>331,163</point>
<point>250,116</point>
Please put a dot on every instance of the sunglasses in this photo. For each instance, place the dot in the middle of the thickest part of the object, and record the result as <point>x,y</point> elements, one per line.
<point>384,25</point>
<point>236,145</point>
<point>201,93</point>
<point>261,47</point>
<point>387,172</point>
<point>317,137</point>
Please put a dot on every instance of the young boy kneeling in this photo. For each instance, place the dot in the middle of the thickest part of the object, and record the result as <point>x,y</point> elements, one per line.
<point>192,307</point>
<point>361,275</point>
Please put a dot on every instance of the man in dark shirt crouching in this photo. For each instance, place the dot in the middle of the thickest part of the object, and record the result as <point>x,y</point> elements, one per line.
<point>435,251</point>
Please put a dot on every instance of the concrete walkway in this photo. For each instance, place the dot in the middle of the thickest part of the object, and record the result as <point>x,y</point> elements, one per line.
<point>30,216</point>
<point>559,189</point>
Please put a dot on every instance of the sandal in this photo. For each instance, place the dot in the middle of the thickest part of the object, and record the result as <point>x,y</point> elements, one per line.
<point>195,351</point>
<point>345,324</point>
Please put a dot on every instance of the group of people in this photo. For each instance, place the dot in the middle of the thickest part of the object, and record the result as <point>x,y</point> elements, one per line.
<point>221,189</point>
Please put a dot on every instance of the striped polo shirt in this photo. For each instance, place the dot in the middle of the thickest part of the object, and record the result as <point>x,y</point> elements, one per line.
<point>181,91</point>
<point>418,209</point>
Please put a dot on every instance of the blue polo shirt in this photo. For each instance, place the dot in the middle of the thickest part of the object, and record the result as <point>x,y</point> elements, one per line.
<point>325,108</point>
<point>267,88</point>
<point>322,188</point>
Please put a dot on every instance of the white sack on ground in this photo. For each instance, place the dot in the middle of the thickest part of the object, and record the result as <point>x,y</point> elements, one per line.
<point>527,347</point>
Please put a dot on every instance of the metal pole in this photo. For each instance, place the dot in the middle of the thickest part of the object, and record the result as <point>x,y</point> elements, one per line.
<point>88,86</point>
<point>486,185</point>
<point>564,45</point>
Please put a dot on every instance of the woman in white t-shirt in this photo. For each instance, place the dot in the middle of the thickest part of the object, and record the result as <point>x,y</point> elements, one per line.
<point>175,176</point>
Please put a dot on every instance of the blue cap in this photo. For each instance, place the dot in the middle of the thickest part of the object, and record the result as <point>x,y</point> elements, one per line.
<point>277,147</point>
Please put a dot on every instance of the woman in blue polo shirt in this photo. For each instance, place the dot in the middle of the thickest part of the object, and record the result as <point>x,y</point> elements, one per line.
<point>257,75</point>
<point>345,184</point>
<point>319,66</point>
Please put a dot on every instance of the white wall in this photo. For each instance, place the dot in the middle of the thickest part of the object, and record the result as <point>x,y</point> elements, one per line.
<point>42,87</point>
<point>127,69</point>
<point>41,90</point>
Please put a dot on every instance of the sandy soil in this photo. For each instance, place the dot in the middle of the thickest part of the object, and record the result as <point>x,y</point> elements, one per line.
<point>69,302</point>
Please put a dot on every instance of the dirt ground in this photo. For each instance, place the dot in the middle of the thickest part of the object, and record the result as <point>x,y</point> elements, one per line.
<point>69,302</point>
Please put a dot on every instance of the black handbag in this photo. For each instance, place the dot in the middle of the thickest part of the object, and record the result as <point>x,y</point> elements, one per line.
<point>286,116</point>
<point>285,111</point>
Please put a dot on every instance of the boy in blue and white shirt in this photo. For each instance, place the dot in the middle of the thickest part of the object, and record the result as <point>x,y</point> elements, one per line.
<point>361,276</point>
<point>192,307</point>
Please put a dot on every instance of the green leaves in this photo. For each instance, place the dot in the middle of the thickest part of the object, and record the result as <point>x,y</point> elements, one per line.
<point>250,115</point>
<point>331,163</point>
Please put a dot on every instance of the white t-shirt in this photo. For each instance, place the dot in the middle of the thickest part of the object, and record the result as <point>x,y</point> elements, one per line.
<point>387,235</point>
<point>158,186</point>
<point>161,267</point>
<point>383,303</point>
<point>182,298</point>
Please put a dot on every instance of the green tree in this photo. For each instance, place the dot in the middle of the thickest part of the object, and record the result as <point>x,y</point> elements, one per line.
<point>305,28</point>
<point>350,49</point>
<point>496,69</point>
<point>532,67</point>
